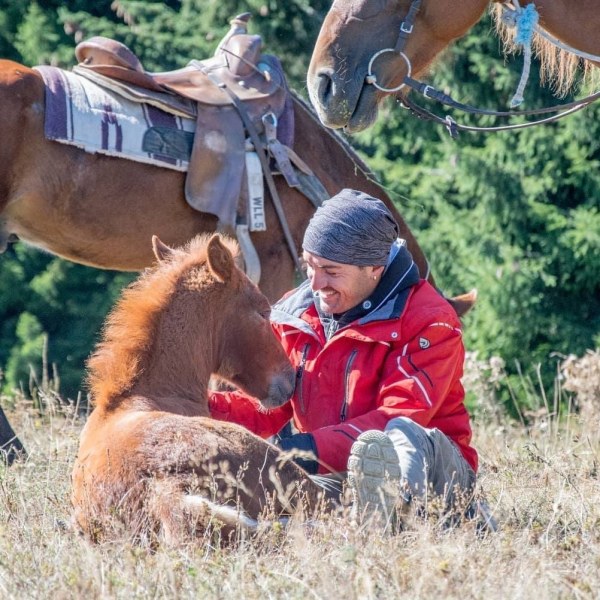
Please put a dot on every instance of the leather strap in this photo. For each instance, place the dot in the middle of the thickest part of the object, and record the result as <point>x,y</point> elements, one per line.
<point>259,149</point>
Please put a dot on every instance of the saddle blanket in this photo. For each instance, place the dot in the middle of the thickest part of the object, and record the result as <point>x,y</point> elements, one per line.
<point>81,113</point>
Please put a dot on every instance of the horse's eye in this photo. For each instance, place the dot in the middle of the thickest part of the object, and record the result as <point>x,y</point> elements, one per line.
<point>265,314</point>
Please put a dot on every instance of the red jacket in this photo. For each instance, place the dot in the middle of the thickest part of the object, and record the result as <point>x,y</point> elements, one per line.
<point>406,364</point>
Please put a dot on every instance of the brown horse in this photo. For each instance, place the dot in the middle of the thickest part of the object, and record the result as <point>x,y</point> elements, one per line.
<point>152,463</point>
<point>100,210</point>
<point>345,59</point>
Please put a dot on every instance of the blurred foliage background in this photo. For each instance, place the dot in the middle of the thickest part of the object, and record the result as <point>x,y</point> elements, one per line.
<point>515,215</point>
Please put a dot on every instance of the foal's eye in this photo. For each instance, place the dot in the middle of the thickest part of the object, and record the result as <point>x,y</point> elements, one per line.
<point>265,314</point>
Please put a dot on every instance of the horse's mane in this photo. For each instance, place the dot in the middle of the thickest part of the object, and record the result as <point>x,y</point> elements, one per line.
<point>129,329</point>
<point>559,68</point>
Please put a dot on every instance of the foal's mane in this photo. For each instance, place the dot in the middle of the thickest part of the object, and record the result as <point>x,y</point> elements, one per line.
<point>558,67</point>
<point>128,332</point>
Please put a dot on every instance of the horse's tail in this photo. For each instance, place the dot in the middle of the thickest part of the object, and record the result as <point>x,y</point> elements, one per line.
<point>463,303</point>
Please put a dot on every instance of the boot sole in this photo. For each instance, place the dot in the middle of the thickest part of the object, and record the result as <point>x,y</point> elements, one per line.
<point>374,477</point>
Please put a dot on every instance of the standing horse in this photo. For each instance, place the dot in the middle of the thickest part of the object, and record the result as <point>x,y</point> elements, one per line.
<point>99,210</point>
<point>151,460</point>
<point>368,42</point>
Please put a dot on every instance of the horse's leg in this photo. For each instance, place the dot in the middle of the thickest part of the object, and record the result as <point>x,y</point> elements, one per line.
<point>10,445</point>
<point>182,517</point>
<point>6,238</point>
<point>277,269</point>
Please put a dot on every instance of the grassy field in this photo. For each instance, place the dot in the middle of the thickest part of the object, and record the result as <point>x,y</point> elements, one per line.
<point>542,482</point>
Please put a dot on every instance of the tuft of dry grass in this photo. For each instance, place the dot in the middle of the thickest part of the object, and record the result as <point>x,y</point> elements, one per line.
<point>542,483</point>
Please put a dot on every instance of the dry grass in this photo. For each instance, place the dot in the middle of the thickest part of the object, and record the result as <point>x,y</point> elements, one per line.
<point>542,482</point>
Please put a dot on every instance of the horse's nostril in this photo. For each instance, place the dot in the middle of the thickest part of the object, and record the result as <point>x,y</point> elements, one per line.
<point>281,389</point>
<point>325,89</point>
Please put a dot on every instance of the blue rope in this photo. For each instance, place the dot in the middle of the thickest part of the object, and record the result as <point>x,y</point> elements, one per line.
<point>526,22</point>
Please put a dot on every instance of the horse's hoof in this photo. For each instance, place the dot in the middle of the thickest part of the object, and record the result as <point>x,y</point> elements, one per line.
<point>6,239</point>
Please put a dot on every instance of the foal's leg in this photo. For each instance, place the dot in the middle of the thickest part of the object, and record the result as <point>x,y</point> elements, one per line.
<point>182,517</point>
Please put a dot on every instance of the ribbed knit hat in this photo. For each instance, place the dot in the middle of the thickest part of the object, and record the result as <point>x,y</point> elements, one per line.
<point>352,228</point>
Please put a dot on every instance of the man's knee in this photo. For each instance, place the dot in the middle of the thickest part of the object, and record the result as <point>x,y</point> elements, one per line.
<point>406,432</point>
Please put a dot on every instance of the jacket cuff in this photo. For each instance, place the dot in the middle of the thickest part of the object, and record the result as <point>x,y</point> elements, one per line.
<point>219,406</point>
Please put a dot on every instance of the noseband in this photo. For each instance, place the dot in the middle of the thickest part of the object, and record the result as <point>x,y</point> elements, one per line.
<point>406,28</point>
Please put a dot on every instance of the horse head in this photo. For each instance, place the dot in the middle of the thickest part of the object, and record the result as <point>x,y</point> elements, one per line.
<point>366,48</point>
<point>248,353</point>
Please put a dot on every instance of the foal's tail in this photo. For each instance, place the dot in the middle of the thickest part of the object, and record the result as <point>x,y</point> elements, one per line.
<point>227,515</point>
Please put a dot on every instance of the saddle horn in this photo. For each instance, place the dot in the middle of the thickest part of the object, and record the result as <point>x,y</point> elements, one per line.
<point>241,50</point>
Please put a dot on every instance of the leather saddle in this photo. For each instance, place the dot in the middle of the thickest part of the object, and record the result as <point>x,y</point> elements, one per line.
<point>210,91</point>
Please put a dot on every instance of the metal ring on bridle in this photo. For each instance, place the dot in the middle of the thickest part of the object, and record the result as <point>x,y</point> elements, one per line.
<point>371,78</point>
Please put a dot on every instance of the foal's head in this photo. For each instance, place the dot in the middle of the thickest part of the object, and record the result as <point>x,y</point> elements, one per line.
<point>245,349</point>
<point>193,314</point>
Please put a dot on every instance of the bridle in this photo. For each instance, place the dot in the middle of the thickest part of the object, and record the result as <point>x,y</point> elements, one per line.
<point>430,92</point>
<point>406,28</point>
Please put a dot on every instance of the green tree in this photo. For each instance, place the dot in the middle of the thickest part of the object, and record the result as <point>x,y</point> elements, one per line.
<point>514,214</point>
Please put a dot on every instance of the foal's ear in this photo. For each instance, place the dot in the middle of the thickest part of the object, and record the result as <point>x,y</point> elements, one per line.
<point>161,251</point>
<point>219,259</point>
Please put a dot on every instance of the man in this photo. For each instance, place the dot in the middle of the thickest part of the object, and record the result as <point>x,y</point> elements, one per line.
<point>378,355</point>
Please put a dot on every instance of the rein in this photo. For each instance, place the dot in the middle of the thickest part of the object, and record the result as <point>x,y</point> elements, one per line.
<point>430,92</point>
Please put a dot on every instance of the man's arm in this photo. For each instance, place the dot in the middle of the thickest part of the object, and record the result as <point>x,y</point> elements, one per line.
<point>244,410</point>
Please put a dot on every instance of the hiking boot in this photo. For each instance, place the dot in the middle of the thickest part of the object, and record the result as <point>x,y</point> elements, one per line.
<point>374,478</point>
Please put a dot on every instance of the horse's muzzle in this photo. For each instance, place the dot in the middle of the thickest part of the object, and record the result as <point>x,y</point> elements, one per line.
<point>281,389</point>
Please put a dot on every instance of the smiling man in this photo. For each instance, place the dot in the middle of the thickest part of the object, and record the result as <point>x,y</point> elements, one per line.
<point>379,355</point>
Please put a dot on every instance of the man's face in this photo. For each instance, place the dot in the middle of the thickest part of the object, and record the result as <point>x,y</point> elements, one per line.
<point>340,286</point>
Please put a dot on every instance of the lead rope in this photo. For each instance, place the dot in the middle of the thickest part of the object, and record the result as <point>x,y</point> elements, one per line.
<point>525,20</point>
<point>509,17</point>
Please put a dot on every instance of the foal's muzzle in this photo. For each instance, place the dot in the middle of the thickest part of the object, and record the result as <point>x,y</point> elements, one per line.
<point>281,389</point>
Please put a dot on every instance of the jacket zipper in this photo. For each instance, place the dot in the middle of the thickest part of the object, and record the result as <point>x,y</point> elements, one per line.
<point>344,411</point>
<point>299,375</point>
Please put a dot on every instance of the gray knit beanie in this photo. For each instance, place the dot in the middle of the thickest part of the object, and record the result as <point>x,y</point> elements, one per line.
<point>352,228</point>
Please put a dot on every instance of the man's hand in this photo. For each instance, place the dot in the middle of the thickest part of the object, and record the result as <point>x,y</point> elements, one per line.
<point>303,450</point>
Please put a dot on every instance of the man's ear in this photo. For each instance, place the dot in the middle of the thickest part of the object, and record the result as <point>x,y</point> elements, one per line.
<point>219,259</point>
<point>378,271</point>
